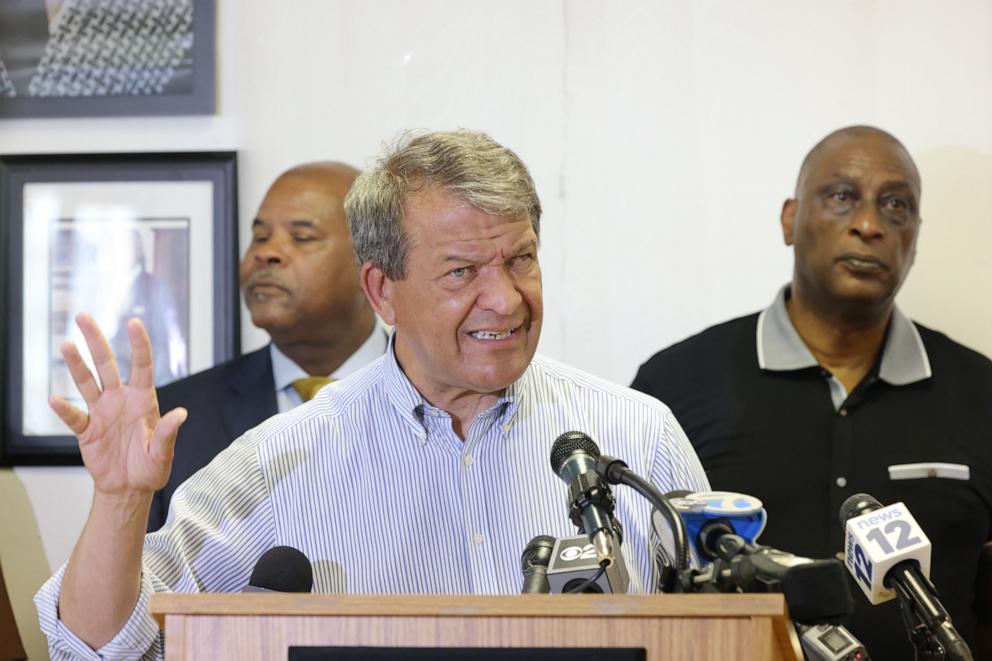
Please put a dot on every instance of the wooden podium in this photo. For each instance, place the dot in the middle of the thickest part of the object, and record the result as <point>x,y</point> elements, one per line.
<point>669,627</point>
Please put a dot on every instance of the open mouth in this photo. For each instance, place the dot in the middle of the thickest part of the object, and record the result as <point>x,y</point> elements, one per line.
<point>492,335</point>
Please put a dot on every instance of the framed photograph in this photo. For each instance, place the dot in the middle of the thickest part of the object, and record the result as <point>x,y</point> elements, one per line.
<point>89,58</point>
<point>151,236</point>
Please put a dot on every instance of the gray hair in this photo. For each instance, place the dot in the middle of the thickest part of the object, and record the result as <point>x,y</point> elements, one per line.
<point>467,164</point>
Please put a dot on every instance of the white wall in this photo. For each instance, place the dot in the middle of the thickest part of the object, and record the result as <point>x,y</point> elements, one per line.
<point>663,137</point>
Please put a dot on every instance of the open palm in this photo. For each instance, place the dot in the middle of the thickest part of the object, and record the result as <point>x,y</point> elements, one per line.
<point>126,446</point>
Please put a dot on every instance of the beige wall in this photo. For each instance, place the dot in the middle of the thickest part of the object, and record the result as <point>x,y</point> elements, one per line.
<point>663,136</point>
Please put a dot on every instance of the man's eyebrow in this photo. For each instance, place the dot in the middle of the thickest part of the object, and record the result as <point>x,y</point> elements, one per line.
<point>897,184</point>
<point>526,244</point>
<point>295,223</point>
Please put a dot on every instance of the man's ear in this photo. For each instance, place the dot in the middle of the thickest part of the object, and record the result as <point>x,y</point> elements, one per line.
<point>378,289</point>
<point>788,219</point>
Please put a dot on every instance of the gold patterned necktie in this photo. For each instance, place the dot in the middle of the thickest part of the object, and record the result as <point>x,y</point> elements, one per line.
<point>308,386</point>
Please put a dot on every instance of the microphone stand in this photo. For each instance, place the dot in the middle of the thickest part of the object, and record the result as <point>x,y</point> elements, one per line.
<point>927,647</point>
<point>929,625</point>
<point>615,471</point>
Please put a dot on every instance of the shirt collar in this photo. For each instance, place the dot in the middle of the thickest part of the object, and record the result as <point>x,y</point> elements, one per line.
<point>285,371</point>
<point>904,358</point>
<point>411,405</point>
<point>373,347</point>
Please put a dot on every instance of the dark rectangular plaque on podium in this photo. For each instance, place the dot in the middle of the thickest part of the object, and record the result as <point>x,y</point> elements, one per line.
<point>466,654</point>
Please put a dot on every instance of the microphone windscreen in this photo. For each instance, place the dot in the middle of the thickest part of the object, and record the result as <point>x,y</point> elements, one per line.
<point>537,553</point>
<point>818,592</point>
<point>282,569</point>
<point>568,443</point>
<point>856,505</point>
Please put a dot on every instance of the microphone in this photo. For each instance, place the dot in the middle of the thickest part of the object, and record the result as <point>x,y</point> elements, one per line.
<point>889,556</point>
<point>574,567</point>
<point>722,529</point>
<point>573,459</point>
<point>534,564</point>
<point>281,569</point>
<point>702,511</point>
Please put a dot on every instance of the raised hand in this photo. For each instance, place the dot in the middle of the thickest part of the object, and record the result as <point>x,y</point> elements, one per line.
<point>126,446</point>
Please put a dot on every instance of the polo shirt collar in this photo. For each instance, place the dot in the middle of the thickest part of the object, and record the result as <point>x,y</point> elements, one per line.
<point>904,358</point>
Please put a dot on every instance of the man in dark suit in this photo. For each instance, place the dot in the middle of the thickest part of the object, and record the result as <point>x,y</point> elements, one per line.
<point>300,283</point>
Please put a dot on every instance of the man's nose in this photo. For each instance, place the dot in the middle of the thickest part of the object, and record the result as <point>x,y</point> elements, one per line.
<point>867,223</point>
<point>272,252</point>
<point>499,292</point>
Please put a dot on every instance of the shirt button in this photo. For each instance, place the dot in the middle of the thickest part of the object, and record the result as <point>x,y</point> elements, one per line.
<point>468,460</point>
<point>477,538</point>
<point>842,412</point>
<point>506,427</point>
<point>841,481</point>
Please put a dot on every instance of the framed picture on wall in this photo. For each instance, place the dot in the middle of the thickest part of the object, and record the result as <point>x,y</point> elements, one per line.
<point>151,236</point>
<point>87,58</point>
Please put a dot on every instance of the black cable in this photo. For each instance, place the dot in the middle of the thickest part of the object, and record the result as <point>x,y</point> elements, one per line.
<point>624,475</point>
<point>586,584</point>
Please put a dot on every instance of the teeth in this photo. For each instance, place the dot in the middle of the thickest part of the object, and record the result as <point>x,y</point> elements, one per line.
<point>492,335</point>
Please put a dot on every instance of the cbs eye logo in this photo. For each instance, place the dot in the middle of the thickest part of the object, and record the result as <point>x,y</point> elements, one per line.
<point>572,553</point>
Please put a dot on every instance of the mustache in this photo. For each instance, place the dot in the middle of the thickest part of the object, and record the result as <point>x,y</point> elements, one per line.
<point>263,277</point>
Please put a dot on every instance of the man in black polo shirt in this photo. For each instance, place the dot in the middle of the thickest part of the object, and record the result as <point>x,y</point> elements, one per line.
<point>832,391</point>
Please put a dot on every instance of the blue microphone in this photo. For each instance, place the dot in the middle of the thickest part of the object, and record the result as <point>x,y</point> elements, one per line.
<point>708,515</point>
<point>723,528</point>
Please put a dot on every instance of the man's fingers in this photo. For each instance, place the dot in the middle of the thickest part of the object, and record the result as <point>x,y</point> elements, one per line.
<point>164,435</point>
<point>80,373</point>
<point>74,418</point>
<point>103,355</point>
<point>142,369</point>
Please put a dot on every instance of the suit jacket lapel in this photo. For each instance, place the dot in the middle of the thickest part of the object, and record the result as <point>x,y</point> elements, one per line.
<point>255,395</point>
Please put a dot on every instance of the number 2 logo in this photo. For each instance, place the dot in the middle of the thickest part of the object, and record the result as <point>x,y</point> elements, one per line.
<point>902,528</point>
<point>586,552</point>
<point>862,566</point>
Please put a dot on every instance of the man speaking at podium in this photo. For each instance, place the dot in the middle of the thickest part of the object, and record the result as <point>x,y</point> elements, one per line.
<point>426,472</point>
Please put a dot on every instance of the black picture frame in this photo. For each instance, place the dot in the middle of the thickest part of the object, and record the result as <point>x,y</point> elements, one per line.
<point>153,235</point>
<point>177,81</point>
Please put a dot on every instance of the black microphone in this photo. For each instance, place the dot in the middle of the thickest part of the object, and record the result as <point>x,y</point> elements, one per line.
<point>884,548</point>
<point>281,569</point>
<point>816,591</point>
<point>534,564</point>
<point>573,459</point>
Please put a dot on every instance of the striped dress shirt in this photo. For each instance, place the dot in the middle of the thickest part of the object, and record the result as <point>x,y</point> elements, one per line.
<point>372,484</point>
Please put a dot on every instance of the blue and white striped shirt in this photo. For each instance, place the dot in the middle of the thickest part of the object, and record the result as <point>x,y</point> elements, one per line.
<point>372,484</point>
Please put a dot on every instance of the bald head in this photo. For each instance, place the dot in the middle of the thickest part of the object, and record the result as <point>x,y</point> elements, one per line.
<point>331,177</point>
<point>847,135</point>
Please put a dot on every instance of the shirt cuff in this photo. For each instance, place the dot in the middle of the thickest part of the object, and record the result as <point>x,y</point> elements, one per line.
<point>140,637</point>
